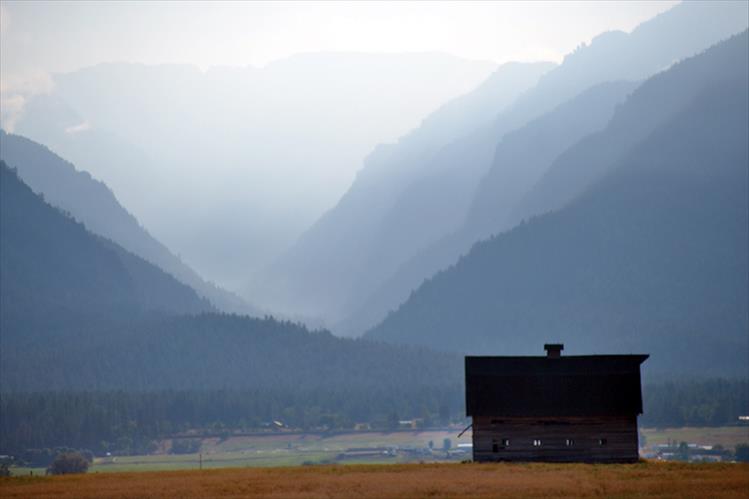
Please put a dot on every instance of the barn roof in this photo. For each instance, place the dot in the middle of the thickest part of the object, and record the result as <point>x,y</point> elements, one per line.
<point>585,385</point>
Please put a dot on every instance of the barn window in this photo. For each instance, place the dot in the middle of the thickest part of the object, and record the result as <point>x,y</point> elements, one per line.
<point>601,442</point>
<point>501,444</point>
<point>569,442</point>
<point>537,443</point>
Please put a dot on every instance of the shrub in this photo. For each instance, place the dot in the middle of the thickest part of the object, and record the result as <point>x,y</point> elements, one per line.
<point>185,446</point>
<point>69,462</point>
<point>742,453</point>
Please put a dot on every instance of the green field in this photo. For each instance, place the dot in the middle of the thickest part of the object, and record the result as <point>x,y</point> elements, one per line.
<point>283,450</point>
<point>727,436</point>
<point>292,449</point>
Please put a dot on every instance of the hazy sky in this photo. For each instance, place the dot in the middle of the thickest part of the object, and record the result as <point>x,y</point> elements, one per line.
<point>39,38</point>
<point>63,36</point>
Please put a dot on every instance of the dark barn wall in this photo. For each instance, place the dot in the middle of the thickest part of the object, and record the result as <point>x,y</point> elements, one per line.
<point>592,439</point>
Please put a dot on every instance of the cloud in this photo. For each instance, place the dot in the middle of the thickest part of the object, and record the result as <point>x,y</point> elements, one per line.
<point>16,91</point>
<point>80,127</point>
<point>11,107</point>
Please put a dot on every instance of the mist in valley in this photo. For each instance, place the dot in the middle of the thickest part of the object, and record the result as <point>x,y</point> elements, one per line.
<point>266,217</point>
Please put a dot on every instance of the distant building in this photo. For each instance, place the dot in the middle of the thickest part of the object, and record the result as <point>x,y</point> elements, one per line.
<point>411,423</point>
<point>554,408</point>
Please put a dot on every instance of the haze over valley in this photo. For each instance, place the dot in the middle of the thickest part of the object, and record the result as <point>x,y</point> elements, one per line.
<point>252,218</point>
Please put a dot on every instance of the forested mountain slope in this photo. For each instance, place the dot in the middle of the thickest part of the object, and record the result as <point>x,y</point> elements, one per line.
<point>439,197</point>
<point>92,203</point>
<point>524,155</point>
<point>80,313</point>
<point>332,255</point>
<point>649,258</point>
<point>520,159</point>
<point>209,144</point>
<point>360,244</point>
<point>650,105</point>
<point>52,268</point>
<point>211,351</point>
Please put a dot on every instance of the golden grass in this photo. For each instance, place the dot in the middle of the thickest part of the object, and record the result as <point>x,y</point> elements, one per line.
<point>648,479</point>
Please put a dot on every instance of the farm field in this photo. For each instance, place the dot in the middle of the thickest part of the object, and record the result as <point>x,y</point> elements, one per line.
<point>727,436</point>
<point>646,479</point>
<point>289,450</point>
<point>296,449</point>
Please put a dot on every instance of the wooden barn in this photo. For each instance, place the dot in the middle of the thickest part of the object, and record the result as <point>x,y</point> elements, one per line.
<point>555,408</point>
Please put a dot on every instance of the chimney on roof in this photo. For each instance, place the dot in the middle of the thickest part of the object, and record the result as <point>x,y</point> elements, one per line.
<point>553,350</point>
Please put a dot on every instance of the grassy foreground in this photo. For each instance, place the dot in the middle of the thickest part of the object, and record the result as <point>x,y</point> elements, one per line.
<point>648,479</point>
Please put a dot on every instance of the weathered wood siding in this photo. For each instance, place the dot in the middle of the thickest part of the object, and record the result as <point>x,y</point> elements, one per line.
<point>568,439</point>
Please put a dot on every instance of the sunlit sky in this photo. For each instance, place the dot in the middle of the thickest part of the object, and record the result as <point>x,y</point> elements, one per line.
<point>39,37</point>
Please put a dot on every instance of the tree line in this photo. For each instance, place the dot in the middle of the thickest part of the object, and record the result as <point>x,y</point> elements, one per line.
<point>129,422</point>
<point>711,402</point>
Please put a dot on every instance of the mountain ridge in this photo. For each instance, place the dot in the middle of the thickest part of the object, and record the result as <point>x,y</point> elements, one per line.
<point>94,204</point>
<point>535,145</point>
<point>433,204</point>
<point>651,256</point>
<point>388,170</point>
<point>53,269</point>
<point>256,138</point>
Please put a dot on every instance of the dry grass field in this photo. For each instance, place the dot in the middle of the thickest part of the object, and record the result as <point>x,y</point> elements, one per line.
<point>649,479</point>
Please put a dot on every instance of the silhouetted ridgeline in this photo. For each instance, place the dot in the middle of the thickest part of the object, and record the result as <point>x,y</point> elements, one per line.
<point>400,205</point>
<point>169,138</point>
<point>350,245</point>
<point>614,190</point>
<point>651,257</point>
<point>571,101</point>
<point>51,267</point>
<point>92,203</point>
<point>80,313</point>
<point>520,159</point>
